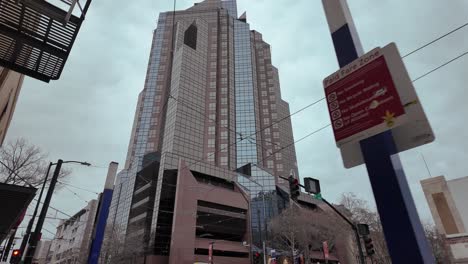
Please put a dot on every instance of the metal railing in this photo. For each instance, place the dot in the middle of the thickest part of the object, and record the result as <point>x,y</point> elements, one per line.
<point>36,36</point>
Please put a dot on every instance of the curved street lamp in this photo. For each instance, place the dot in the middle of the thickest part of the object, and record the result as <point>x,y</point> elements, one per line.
<point>40,222</point>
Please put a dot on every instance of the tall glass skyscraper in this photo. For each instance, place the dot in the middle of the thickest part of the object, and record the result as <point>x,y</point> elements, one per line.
<point>212,101</point>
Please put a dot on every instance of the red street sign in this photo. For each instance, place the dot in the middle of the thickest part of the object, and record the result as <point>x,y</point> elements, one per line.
<point>326,253</point>
<point>362,99</point>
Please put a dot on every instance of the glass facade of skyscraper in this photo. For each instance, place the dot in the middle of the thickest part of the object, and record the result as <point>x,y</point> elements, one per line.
<point>212,100</point>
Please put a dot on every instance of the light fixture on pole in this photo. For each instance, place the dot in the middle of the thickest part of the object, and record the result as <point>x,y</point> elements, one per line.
<point>40,222</point>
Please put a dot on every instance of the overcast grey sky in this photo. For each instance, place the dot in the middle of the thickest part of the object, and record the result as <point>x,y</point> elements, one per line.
<point>87,115</point>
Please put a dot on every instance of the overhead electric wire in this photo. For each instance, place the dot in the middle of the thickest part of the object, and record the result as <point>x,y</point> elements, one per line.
<point>16,174</point>
<point>172,54</point>
<point>310,134</point>
<point>99,167</point>
<point>315,102</point>
<point>307,106</point>
<point>43,228</point>
<point>53,218</point>
<point>293,143</point>
<point>55,209</point>
<point>435,40</point>
<point>206,117</point>
<point>258,131</point>
<point>77,187</point>
<point>441,66</point>
<point>74,193</point>
<point>317,130</point>
<point>289,116</point>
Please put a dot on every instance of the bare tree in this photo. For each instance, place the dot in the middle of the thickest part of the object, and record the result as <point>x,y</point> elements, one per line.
<point>118,247</point>
<point>437,243</point>
<point>303,230</point>
<point>284,233</point>
<point>360,212</point>
<point>24,163</point>
<point>113,245</point>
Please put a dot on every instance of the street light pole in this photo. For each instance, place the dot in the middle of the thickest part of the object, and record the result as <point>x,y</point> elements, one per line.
<point>40,222</point>
<point>31,221</point>
<point>42,216</point>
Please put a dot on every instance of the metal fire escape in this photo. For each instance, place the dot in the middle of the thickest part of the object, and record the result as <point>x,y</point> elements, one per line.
<point>36,36</point>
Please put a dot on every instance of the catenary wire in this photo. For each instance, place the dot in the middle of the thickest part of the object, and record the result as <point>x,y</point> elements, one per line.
<point>75,194</point>
<point>53,208</point>
<point>206,117</point>
<point>315,102</point>
<point>47,230</point>
<point>258,131</point>
<point>297,141</point>
<point>53,218</point>
<point>318,130</point>
<point>441,66</point>
<point>310,134</point>
<point>289,116</point>
<point>302,109</point>
<point>435,40</point>
<point>77,187</point>
<point>16,174</point>
<point>408,54</point>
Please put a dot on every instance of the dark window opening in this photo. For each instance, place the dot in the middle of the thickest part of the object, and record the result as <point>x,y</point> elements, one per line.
<point>165,214</point>
<point>149,172</point>
<point>190,37</point>
<point>221,253</point>
<point>219,236</point>
<point>147,176</point>
<point>208,179</point>
<point>221,207</point>
<point>224,225</point>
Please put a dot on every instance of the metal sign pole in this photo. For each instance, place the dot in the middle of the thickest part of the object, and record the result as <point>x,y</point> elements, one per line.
<point>402,228</point>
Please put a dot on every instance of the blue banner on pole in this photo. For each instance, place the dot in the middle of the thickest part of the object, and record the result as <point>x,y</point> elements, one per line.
<point>96,244</point>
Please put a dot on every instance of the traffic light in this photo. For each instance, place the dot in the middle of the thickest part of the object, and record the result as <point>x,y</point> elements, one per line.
<point>369,246</point>
<point>257,258</point>
<point>15,256</point>
<point>294,188</point>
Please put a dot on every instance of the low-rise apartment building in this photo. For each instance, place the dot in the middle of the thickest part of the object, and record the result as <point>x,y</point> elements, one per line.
<point>73,238</point>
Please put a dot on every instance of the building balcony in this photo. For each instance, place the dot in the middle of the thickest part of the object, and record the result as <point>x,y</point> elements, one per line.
<point>37,36</point>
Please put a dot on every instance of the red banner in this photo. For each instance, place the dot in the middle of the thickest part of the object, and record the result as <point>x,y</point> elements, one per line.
<point>210,253</point>
<point>326,253</point>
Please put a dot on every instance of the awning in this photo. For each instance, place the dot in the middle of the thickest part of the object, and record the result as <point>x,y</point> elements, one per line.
<point>14,201</point>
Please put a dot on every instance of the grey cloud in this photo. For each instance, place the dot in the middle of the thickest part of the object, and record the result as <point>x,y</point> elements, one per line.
<point>88,113</point>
